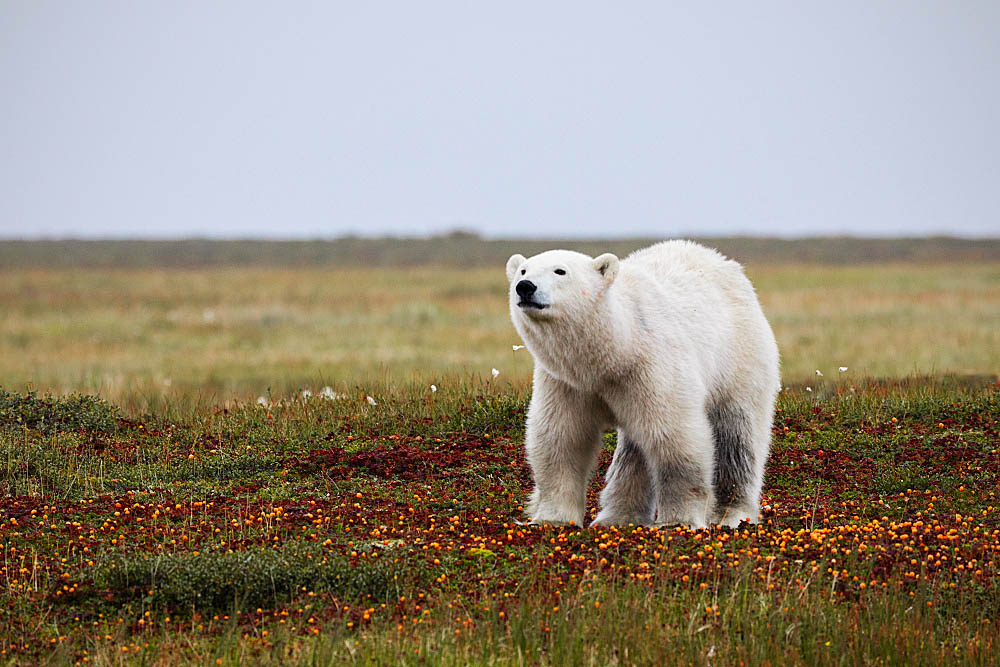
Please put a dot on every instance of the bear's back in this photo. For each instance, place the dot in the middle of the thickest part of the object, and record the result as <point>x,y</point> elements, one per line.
<point>681,260</point>
<point>706,298</point>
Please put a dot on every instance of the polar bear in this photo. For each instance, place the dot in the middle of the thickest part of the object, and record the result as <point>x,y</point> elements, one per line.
<point>671,347</point>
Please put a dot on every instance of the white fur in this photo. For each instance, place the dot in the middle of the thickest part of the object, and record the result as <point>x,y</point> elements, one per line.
<point>670,345</point>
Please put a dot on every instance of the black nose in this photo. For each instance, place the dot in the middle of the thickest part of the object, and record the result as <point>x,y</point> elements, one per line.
<point>525,289</point>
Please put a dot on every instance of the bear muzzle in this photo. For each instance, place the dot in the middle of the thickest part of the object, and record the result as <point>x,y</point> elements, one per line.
<point>526,291</point>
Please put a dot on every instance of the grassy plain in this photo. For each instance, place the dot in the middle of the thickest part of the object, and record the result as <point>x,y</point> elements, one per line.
<point>138,337</point>
<point>335,532</point>
<point>164,516</point>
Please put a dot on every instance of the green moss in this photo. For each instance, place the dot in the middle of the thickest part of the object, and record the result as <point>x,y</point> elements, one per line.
<point>223,581</point>
<point>49,414</point>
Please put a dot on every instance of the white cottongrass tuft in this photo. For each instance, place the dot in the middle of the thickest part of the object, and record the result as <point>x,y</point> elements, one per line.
<point>819,372</point>
<point>495,372</point>
<point>371,401</point>
<point>262,400</point>
<point>842,369</point>
<point>433,388</point>
<point>515,348</point>
<point>809,389</point>
<point>306,394</point>
<point>329,394</point>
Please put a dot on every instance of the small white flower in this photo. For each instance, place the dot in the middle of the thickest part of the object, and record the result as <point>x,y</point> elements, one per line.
<point>329,394</point>
<point>433,388</point>
<point>515,348</point>
<point>809,388</point>
<point>495,372</point>
<point>261,401</point>
<point>371,401</point>
<point>819,373</point>
<point>842,369</point>
<point>306,394</point>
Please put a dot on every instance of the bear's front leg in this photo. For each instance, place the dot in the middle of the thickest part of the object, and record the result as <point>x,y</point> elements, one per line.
<point>563,437</point>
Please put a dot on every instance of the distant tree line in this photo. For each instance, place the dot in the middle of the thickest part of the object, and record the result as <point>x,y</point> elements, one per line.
<point>465,249</point>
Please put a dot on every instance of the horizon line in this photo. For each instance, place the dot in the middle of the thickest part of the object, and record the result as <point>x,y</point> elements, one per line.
<point>472,235</point>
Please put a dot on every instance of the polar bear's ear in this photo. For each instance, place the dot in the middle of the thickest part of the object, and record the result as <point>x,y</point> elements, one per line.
<point>607,266</point>
<point>513,264</point>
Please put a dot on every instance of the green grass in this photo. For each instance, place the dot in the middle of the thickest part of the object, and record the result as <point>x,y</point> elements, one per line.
<point>315,531</point>
<point>168,495</point>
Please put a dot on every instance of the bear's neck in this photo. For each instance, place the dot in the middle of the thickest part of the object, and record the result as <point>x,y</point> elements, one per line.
<point>588,351</point>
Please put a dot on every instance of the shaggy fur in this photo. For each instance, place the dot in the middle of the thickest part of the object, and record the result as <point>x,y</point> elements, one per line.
<point>669,345</point>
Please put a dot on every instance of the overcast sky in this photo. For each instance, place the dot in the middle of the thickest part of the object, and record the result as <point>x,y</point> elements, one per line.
<point>317,119</point>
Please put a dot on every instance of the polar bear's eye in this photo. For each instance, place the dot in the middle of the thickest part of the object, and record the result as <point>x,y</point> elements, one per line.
<point>560,272</point>
<point>523,271</point>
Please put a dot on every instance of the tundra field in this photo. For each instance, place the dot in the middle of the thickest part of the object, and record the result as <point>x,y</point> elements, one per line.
<point>214,464</point>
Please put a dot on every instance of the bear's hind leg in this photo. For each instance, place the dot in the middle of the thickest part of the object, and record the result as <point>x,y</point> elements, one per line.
<point>628,496</point>
<point>740,450</point>
<point>681,461</point>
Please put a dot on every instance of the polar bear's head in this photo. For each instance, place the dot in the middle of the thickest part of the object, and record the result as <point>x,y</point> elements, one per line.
<point>557,283</point>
